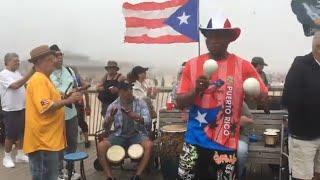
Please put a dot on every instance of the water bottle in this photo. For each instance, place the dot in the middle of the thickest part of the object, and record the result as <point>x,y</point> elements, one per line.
<point>253,137</point>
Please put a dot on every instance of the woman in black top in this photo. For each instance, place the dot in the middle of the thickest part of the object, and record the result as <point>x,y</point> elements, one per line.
<point>108,91</point>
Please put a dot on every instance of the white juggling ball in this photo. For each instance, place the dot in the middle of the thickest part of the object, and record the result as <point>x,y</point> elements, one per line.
<point>210,67</point>
<point>251,87</point>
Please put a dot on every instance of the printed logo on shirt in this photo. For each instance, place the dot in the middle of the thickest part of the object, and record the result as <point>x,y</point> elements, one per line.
<point>229,80</point>
<point>224,158</point>
<point>44,102</point>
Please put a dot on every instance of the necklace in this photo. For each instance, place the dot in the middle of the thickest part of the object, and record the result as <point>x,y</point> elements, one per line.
<point>58,75</point>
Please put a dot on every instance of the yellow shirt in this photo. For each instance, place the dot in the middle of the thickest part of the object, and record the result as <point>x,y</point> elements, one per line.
<point>43,130</point>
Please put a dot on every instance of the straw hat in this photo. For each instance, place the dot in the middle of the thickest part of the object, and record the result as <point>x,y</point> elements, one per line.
<point>40,52</point>
<point>111,64</point>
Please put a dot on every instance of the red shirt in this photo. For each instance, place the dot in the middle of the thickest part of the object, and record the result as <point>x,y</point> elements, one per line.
<point>233,71</point>
<point>194,68</point>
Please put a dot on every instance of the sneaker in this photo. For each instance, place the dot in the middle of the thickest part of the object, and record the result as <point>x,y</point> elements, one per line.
<point>8,162</point>
<point>75,176</point>
<point>22,158</point>
<point>61,177</point>
<point>135,177</point>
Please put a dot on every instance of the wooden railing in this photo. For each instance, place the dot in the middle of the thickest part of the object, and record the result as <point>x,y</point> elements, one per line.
<point>95,120</point>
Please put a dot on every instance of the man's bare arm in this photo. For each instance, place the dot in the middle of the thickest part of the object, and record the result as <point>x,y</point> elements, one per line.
<point>74,97</point>
<point>187,99</point>
<point>19,83</point>
<point>110,119</point>
<point>58,104</point>
<point>108,123</point>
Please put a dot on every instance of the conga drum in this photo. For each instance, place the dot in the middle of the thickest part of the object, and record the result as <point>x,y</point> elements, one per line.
<point>115,154</point>
<point>135,151</point>
<point>172,137</point>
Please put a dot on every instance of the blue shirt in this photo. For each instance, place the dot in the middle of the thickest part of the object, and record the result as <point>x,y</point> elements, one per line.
<point>61,79</point>
<point>140,107</point>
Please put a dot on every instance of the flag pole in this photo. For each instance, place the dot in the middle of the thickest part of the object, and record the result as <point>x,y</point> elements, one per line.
<point>198,25</point>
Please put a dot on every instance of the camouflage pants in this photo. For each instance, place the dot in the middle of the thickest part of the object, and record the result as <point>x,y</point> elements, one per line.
<point>203,164</point>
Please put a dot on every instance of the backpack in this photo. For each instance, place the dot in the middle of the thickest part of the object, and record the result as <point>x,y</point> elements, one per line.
<point>74,76</point>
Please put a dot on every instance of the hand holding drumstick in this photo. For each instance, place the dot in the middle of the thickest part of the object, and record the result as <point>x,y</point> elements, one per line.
<point>77,89</point>
<point>132,114</point>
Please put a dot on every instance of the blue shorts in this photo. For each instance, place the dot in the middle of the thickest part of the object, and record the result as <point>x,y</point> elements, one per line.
<point>126,141</point>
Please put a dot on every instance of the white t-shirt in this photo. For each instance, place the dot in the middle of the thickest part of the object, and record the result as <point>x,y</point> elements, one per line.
<point>140,90</point>
<point>11,99</point>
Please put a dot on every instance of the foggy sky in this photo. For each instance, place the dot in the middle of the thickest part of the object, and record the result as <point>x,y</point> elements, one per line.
<point>96,28</point>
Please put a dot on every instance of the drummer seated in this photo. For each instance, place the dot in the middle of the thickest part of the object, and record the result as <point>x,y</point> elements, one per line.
<point>130,116</point>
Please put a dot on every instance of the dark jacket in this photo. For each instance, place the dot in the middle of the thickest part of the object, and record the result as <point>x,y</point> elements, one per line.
<point>301,96</point>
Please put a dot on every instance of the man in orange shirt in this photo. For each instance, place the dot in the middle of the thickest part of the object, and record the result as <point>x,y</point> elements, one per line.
<point>44,124</point>
<point>214,103</point>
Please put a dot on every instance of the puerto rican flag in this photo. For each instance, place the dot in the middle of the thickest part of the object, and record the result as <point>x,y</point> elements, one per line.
<point>171,21</point>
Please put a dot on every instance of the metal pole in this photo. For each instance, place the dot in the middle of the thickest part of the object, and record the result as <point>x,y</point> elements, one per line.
<point>198,22</point>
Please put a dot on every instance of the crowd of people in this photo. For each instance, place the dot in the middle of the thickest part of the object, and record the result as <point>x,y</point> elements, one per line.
<point>43,109</point>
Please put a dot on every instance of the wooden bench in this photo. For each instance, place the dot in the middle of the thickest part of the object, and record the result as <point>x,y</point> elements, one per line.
<point>170,117</point>
<point>258,152</point>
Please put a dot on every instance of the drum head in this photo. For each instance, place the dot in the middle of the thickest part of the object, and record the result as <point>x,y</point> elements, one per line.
<point>135,151</point>
<point>115,154</point>
<point>273,130</point>
<point>174,128</point>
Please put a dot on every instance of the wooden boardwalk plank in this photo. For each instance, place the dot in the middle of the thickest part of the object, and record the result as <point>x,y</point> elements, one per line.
<point>21,171</point>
